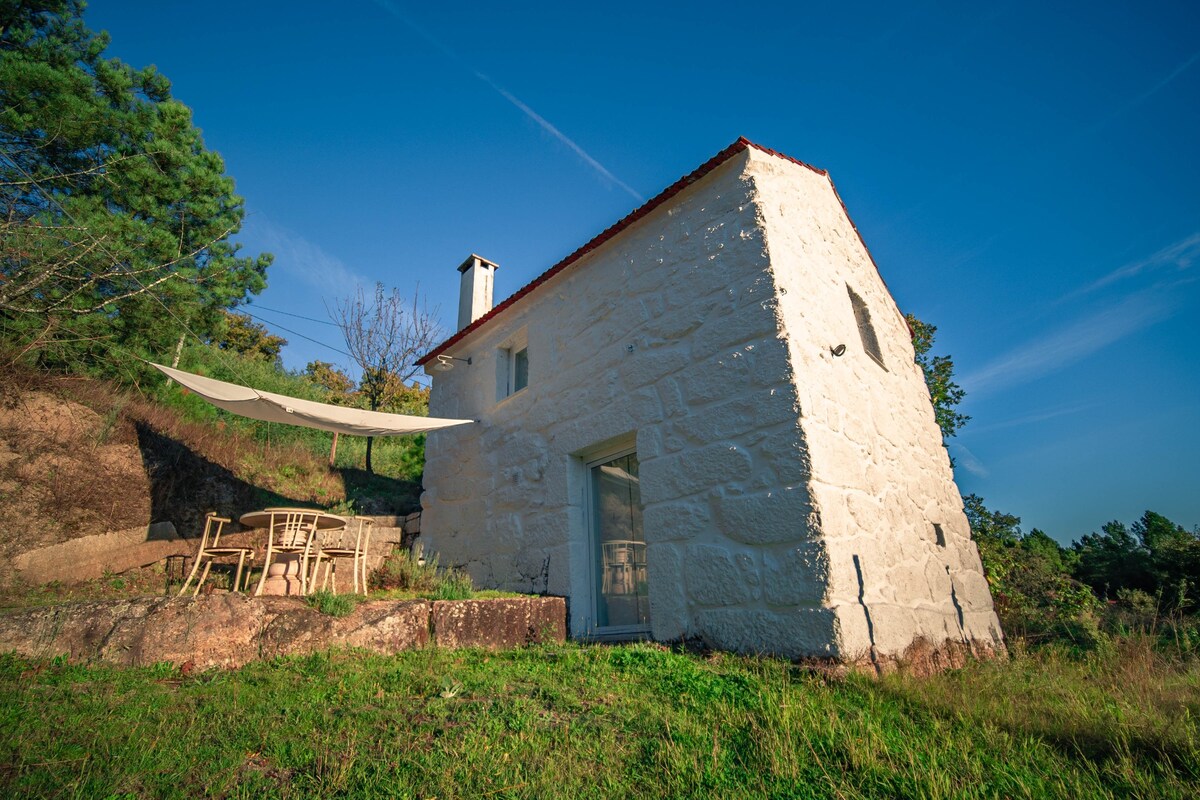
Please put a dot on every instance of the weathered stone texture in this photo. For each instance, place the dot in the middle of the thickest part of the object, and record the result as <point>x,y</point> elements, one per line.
<point>229,630</point>
<point>498,624</point>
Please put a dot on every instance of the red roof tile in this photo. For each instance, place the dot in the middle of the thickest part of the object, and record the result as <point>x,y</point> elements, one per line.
<point>666,194</point>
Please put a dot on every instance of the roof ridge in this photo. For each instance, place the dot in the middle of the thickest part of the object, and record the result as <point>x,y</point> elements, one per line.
<point>739,145</point>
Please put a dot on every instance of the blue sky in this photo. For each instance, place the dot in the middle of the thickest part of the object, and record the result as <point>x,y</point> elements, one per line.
<point>1025,175</point>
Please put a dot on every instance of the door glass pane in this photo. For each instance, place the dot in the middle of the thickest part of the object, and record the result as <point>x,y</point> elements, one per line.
<point>620,546</point>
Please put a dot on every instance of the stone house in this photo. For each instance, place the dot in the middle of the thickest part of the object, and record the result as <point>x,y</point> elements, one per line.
<point>707,422</point>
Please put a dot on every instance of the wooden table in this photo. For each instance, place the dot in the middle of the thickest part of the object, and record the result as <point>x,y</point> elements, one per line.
<point>283,574</point>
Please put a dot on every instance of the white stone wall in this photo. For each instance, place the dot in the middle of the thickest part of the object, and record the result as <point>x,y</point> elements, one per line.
<point>880,477</point>
<point>676,336</point>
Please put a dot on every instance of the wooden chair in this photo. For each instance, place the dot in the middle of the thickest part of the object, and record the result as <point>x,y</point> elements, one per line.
<point>210,549</point>
<point>291,531</point>
<point>344,544</point>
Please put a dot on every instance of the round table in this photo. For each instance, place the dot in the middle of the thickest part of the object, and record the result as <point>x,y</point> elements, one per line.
<point>283,574</point>
<point>261,519</point>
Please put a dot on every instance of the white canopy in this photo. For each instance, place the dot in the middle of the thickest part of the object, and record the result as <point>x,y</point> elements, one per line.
<point>271,407</point>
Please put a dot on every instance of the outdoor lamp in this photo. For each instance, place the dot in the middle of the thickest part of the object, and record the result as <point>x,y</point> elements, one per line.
<point>446,363</point>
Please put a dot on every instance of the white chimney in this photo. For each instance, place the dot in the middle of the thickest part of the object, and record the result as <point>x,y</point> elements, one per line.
<point>475,291</point>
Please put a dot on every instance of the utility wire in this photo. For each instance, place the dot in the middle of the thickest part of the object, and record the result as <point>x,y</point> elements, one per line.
<point>288,313</point>
<point>295,333</point>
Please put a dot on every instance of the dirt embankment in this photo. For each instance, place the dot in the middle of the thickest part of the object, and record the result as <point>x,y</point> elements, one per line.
<point>79,457</point>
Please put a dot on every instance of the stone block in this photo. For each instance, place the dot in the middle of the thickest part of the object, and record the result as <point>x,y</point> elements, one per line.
<point>499,623</point>
<point>719,378</point>
<point>795,633</point>
<point>775,517</point>
<point>787,455</point>
<point>798,576</point>
<point>89,557</point>
<point>645,368</point>
<point>745,324</point>
<point>668,522</point>
<point>668,603</point>
<point>717,577</point>
<point>734,418</point>
<point>693,471</point>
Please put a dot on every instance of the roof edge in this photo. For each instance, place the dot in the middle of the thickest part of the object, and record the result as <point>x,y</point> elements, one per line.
<point>740,145</point>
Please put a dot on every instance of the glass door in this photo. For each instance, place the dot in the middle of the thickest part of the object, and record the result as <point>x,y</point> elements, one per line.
<point>619,548</point>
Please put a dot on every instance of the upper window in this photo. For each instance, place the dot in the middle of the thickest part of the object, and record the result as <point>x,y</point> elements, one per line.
<point>520,370</point>
<point>512,365</point>
<point>866,331</point>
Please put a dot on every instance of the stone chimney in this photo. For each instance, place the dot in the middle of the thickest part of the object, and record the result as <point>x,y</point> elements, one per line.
<point>475,291</point>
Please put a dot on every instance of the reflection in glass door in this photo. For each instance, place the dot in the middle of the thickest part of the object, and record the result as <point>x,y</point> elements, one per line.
<point>622,601</point>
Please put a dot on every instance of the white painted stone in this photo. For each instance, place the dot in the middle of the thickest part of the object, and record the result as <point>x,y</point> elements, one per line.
<point>769,468</point>
<point>775,517</point>
<point>717,577</point>
<point>798,576</point>
<point>666,522</point>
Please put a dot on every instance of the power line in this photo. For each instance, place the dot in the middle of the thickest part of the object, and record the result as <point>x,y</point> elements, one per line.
<point>297,333</point>
<point>290,314</point>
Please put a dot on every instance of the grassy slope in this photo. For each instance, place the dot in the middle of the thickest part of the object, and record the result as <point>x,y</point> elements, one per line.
<point>601,721</point>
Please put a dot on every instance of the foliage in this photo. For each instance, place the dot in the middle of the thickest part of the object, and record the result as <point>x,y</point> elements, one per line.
<point>115,217</point>
<point>939,377</point>
<point>331,379</point>
<point>335,605</point>
<point>385,337</point>
<point>591,721</point>
<point>1154,556</point>
<point>1030,577</point>
<point>248,338</point>
<point>406,570</point>
<point>1149,573</point>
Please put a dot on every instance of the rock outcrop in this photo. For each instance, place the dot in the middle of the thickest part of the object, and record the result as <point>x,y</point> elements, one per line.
<point>229,630</point>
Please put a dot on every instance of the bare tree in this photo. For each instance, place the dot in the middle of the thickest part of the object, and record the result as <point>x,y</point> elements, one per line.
<point>385,335</point>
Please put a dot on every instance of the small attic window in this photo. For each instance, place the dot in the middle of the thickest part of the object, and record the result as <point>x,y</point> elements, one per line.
<point>866,331</point>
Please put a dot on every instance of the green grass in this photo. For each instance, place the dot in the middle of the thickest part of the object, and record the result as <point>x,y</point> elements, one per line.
<point>599,722</point>
<point>335,605</point>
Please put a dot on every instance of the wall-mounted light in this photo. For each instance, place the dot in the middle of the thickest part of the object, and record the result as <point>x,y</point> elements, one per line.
<point>838,350</point>
<point>446,363</point>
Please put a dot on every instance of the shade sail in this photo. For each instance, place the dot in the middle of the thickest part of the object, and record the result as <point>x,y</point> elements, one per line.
<point>270,407</point>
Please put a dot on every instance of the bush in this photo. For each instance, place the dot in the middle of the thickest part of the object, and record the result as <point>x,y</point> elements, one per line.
<point>410,571</point>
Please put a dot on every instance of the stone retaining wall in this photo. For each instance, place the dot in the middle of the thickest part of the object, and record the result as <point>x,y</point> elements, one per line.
<point>229,630</point>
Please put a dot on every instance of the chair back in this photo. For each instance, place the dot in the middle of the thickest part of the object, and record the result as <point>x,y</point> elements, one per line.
<point>213,526</point>
<point>351,536</point>
<point>293,528</point>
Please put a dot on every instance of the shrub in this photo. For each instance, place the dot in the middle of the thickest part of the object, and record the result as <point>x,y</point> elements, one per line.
<point>410,571</point>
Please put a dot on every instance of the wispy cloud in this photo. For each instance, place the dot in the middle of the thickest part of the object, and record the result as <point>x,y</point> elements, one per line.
<point>304,260</point>
<point>1180,255</point>
<point>967,460</point>
<point>1071,343</point>
<point>557,134</point>
<point>1146,95</point>
<point>1033,417</point>
<point>524,108</point>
